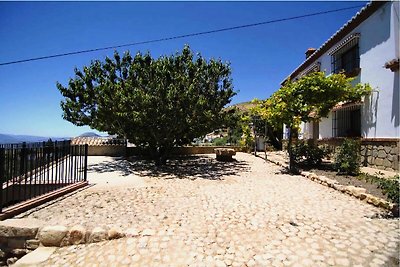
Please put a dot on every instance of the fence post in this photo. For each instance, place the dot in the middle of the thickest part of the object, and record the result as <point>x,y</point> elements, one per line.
<point>2,180</point>
<point>86,159</point>
<point>23,156</point>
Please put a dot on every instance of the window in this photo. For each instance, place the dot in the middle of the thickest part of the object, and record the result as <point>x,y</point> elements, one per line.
<point>346,121</point>
<point>313,68</point>
<point>346,57</point>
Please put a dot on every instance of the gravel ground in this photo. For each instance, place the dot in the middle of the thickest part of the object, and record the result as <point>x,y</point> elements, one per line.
<point>205,213</point>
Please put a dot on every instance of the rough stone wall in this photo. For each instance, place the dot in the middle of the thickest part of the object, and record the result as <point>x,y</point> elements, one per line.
<point>380,154</point>
<point>17,238</point>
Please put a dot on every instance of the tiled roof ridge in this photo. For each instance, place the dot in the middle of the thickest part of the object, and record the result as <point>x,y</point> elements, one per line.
<point>96,141</point>
<point>356,20</point>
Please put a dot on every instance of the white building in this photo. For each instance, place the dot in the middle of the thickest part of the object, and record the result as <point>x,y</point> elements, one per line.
<point>366,48</point>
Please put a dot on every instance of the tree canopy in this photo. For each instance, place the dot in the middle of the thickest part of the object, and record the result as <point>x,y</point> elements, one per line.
<point>154,103</point>
<point>309,98</point>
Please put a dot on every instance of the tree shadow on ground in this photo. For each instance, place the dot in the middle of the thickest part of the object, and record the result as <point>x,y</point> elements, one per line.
<point>182,167</point>
<point>119,164</point>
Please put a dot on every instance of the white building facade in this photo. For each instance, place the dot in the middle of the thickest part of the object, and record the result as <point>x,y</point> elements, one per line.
<point>366,48</point>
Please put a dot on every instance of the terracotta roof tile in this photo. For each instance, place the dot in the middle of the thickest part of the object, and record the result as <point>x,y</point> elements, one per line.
<point>97,141</point>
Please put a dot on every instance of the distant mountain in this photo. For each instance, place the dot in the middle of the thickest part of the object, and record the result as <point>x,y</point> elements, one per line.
<point>7,139</point>
<point>90,134</point>
<point>244,106</point>
<point>13,139</point>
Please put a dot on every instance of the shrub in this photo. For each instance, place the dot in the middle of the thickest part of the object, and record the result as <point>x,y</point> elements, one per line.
<point>389,186</point>
<point>220,141</point>
<point>347,160</point>
<point>307,154</point>
<point>247,140</point>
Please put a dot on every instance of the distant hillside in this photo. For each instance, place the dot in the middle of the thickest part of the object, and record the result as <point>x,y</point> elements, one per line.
<point>244,106</point>
<point>13,139</point>
<point>90,134</point>
<point>7,139</point>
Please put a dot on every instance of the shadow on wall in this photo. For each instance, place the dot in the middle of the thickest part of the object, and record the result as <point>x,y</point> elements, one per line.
<point>378,32</point>
<point>181,167</point>
<point>370,113</point>
<point>371,108</point>
<point>395,100</point>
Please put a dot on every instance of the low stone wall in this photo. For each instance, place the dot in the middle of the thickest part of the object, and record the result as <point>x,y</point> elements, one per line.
<point>380,153</point>
<point>184,150</point>
<point>191,150</point>
<point>17,238</point>
<point>21,236</point>
<point>107,150</point>
<point>357,192</point>
<point>354,191</point>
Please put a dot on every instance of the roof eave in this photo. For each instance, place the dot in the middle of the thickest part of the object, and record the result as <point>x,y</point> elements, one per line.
<point>350,25</point>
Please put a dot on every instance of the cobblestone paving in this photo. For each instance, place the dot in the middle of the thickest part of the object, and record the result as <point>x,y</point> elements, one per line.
<point>256,217</point>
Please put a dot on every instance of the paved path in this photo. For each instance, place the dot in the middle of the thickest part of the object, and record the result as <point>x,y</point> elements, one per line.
<point>245,213</point>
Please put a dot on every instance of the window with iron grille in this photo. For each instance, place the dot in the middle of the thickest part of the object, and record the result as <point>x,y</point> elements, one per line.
<point>346,56</point>
<point>346,122</point>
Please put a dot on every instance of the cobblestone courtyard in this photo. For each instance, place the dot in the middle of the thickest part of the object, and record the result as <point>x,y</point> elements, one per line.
<point>205,213</point>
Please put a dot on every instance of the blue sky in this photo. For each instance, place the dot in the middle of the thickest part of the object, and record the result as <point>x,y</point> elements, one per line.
<point>261,57</point>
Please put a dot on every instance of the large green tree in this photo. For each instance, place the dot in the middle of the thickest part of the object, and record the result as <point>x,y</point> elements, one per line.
<point>310,98</point>
<point>154,103</point>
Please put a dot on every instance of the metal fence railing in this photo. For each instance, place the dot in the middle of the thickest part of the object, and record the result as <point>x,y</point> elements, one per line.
<point>33,169</point>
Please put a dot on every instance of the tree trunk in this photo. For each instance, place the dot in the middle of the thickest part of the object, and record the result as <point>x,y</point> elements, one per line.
<point>160,155</point>
<point>292,168</point>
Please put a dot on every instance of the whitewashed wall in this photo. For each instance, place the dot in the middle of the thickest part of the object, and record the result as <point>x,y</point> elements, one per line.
<point>325,127</point>
<point>379,43</point>
<point>379,34</point>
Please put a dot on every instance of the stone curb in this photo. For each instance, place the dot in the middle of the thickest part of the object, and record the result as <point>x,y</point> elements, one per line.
<point>19,237</point>
<point>60,236</point>
<point>354,191</point>
<point>79,235</point>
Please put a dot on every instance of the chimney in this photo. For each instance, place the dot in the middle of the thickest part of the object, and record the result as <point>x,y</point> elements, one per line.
<point>310,51</point>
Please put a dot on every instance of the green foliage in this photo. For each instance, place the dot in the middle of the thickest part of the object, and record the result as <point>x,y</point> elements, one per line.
<point>154,103</point>
<point>234,125</point>
<point>271,132</point>
<point>307,154</point>
<point>311,97</point>
<point>235,135</point>
<point>389,186</point>
<point>247,139</point>
<point>347,160</point>
<point>220,141</point>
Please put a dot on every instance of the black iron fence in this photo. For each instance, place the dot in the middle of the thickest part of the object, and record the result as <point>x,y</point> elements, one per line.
<point>34,169</point>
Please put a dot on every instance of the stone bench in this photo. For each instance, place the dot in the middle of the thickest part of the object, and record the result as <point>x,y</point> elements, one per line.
<point>224,154</point>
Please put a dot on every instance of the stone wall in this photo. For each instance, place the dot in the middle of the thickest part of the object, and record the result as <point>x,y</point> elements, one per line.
<point>184,150</point>
<point>102,146</point>
<point>190,150</point>
<point>21,236</point>
<point>110,150</point>
<point>380,153</point>
<point>17,238</point>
